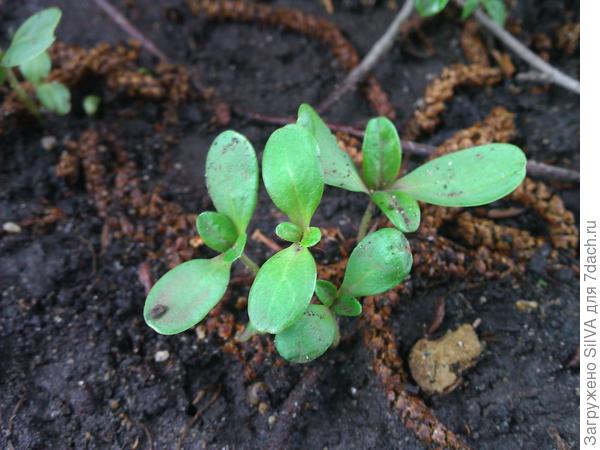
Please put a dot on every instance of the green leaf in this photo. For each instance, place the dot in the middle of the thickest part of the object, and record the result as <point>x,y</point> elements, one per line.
<point>346,305</point>
<point>185,295</point>
<point>91,104</point>
<point>292,173</point>
<point>232,177</point>
<point>378,263</point>
<point>236,250</point>
<point>496,9</point>
<point>312,236</point>
<point>382,153</point>
<point>34,36</point>
<point>289,232</point>
<point>2,74</point>
<point>309,337</point>
<point>402,210</point>
<point>469,7</point>
<point>326,292</point>
<point>430,7</point>
<point>470,177</point>
<point>282,289</point>
<point>216,230</point>
<point>37,69</point>
<point>338,168</point>
<point>55,97</point>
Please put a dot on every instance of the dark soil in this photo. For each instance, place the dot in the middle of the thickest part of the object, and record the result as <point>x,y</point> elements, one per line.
<point>78,362</point>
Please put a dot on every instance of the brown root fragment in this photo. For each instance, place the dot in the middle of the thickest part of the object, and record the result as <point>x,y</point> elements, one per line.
<point>472,45</point>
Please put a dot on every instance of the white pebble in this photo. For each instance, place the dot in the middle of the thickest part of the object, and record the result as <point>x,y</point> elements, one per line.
<point>161,356</point>
<point>11,227</point>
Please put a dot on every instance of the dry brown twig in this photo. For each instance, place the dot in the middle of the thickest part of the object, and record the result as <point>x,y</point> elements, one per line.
<point>550,73</point>
<point>380,48</point>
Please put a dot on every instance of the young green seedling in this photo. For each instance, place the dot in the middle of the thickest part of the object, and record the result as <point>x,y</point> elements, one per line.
<point>28,51</point>
<point>495,8</point>
<point>297,161</point>
<point>185,295</point>
<point>469,177</point>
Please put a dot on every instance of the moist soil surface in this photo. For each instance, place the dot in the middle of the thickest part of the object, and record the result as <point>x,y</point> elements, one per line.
<point>79,367</point>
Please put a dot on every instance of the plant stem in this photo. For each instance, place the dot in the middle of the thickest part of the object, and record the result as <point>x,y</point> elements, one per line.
<point>380,48</point>
<point>21,94</point>
<point>551,73</point>
<point>250,265</point>
<point>365,221</point>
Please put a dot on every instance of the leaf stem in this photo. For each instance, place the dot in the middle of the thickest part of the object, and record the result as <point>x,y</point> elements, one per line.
<point>249,263</point>
<point>365,221</point>
<point>21,94</point>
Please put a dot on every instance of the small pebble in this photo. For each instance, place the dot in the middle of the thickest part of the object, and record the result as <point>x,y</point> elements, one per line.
<point>161,356</point>
<point>48,142</point>
<point>271,420</point>
<point>526,305</point>
<point>11,227</point>
<point>263,407</point>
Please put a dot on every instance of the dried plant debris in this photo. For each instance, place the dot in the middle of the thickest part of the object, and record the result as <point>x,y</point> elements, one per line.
<point>498,126</point>
<point>389,367</point>
<point>442,89</point>
<point>437,365</point>
<point>295,20</point>
<point>472,45</point>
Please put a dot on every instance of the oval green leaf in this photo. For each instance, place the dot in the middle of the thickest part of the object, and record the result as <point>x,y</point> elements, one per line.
<point>282,289</point>
<point>348,306</point>
<point>378,263</point>
<point>400,208</point>
<point>311,237</point>
<point>216,230</point>
<point>430,7</point>
<point>185,295</point>
<point>232,177</point>
<point>309,337</point>
<point>288,232</point>
<point>469,8</point>
<point>37,69</point>
<point>338,168</point>
<point>55,97</point>
<point>33,37</point>
<point>382,153</point>
<point>470,177</point>
<point>326,292</point>
<point>496,10</point>
<point>292,173</point>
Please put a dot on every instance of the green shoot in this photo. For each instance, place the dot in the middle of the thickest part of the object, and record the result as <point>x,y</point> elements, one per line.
<point>28,52</point>
<point>297,161</point>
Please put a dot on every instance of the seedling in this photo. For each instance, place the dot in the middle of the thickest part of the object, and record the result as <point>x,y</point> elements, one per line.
<point>470,177</point>
<point>298,160</point>
<point>91,104</point>
<point>29,52</point>
<point>495,8</point>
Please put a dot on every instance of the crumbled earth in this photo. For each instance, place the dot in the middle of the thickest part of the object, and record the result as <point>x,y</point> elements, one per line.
<point>105,205</point>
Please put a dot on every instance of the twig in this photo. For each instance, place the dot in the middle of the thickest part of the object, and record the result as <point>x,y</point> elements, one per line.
<point>131,29</point>
<point>381,47</point>
<point>535,169</point>
<point>260,237</point>
<point>551,73</point>
<point>287,415</point>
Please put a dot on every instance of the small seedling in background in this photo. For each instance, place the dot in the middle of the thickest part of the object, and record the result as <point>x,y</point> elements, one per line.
<point>298,160</point>
<point>91,104</point>
<point>28,51</point>
<point>495,8</point>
